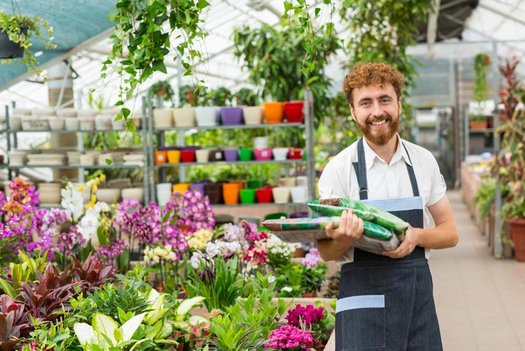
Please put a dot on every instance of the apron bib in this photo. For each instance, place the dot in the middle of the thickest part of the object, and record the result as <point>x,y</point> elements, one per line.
<point>385,303</point>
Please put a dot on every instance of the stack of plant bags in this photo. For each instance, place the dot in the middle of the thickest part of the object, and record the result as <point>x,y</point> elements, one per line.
<point>382,230</point>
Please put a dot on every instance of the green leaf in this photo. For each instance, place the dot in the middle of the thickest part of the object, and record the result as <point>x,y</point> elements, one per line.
<point>7,288</point>
<point>105,326</point>
<point>108,161</point>
<point>188,304</point>
<point>130,327</point>
<point>85,334</point>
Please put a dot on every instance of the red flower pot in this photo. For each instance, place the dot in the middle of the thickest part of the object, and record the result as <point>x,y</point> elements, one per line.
<point>295,154</point>
<point>264,195</point>
<point>293,111</point>
<point>187,156</point>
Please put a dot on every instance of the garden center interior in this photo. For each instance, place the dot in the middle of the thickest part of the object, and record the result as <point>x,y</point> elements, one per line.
<point>144,143</point>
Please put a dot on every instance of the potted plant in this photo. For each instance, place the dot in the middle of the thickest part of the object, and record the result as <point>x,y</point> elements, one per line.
<point>16,32</point>
<point>250,101</point>
<point>163,90</point>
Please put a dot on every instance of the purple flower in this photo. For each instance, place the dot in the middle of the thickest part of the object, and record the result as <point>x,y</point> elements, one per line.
<point>312,258</point>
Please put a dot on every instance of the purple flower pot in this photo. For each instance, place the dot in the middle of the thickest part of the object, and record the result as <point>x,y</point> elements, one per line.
<point>198,187</point>
<point>231,155</point>
<point>231,116</point>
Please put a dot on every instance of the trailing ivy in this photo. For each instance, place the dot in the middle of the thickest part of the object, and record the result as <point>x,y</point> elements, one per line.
<point>142,40</point>
<point>382,30</point>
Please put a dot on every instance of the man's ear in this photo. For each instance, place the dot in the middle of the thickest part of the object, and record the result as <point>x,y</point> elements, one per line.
<point>400,102</point>
<point>352,113</point>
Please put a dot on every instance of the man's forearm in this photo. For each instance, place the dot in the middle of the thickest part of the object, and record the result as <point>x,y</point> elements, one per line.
<point>331,250</point>
<point>440,237</point>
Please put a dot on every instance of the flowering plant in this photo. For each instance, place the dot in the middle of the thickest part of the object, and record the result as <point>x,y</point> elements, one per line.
<point>315,319</point>
<point>314,271</point>
<point>23,225</point>
<point>288,337</point>
<point>279,252</point>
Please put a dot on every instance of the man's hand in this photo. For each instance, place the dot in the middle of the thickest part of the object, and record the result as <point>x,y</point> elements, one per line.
<point>407,246</point>
<point>350,229</point>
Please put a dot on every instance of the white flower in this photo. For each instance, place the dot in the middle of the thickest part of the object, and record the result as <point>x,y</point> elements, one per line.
<point>212,249</point>
<point>72,201</point>
<point>271,278</point>
<point>88,225</point>
<point>196,259</point>
<point>101,207</point>
<point>287,289</point>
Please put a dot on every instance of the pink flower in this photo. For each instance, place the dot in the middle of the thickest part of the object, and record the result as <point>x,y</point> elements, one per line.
<point>302,316</point>
<point>288,337</point>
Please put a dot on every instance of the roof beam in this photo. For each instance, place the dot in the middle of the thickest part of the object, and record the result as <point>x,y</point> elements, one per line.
<point>432,23</point>
<point>501,13</point>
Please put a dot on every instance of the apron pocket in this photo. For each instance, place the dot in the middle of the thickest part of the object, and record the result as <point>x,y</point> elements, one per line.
<point>360,322</point>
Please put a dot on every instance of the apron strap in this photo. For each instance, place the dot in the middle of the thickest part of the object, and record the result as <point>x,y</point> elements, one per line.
<point>411,174</point>
<point>360,170</point>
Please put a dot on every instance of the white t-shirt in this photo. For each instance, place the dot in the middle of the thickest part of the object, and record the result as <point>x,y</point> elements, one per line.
<point>385,181</point>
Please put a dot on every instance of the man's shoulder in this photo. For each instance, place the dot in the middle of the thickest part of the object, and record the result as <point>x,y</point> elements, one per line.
<point>418,153</point>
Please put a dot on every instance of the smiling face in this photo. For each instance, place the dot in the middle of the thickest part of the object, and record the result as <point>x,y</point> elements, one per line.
<point>376,109</point>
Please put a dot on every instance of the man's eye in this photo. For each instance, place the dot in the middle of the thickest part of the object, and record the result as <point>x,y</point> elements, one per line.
<point>365,103</point>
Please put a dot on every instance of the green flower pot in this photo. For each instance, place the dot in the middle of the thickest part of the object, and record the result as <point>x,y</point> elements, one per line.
<point>247,196</point>
<point>245,154</point>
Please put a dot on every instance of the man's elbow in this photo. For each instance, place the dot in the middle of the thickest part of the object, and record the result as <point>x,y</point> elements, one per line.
<point>454,239</point>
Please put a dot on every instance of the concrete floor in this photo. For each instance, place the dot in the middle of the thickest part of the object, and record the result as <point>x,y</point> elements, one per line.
<point>480,300</point>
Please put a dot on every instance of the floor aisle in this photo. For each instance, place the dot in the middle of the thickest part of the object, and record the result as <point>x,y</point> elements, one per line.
<point>480,300</point>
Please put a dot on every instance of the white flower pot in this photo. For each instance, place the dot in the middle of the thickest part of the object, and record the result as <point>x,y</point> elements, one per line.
<point>103,122</point>
<point>280,153</point>
<point>206,116</point>
<point>133,194</point>
<point>57,123</point>
<point>299,194</point>
<point>72,123</point>
<point>17,157</point>
<point>163,193</point>
<point>184,117</point>
<point>252,114</point>
<point>287,181</point>
<point>301,181</point>
<point>281,194</point>
<point>162,118</point>
<point>202,155</point>
<point>109,195</point>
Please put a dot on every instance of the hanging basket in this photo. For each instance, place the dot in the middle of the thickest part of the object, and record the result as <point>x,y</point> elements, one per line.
<point>8,48</point>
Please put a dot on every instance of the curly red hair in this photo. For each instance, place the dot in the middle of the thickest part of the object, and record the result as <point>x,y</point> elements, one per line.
<point>372,73</point>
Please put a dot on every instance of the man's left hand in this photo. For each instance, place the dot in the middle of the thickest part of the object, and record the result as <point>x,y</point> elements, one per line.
<point>407,246</point>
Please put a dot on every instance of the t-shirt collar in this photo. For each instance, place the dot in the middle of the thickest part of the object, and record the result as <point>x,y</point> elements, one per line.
<point>371,156</point>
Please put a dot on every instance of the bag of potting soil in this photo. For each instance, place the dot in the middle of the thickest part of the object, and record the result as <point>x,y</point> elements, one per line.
<point>375,238</point>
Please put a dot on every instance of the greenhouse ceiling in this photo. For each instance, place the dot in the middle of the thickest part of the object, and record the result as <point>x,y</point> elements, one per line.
<point>81,28</point>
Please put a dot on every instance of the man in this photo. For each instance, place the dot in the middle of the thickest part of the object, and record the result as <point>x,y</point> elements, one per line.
<point>385,301</point>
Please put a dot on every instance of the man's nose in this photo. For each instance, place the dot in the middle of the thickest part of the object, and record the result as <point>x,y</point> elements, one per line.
<point>376,109</point>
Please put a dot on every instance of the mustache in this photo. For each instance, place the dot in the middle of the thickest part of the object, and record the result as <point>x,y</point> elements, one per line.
<point>383,117</point>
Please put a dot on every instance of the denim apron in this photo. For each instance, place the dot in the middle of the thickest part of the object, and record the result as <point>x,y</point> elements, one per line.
<point>385,303</point>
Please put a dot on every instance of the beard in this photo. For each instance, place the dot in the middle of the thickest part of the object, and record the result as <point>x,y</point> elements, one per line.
<point>379,136</point>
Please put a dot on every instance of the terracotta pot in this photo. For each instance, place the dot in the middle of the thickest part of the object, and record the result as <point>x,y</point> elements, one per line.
<point>230,192</point>
<point>273,112</point>
<point>161,157</point>
<point>293,111</point>
<point>517,232</point>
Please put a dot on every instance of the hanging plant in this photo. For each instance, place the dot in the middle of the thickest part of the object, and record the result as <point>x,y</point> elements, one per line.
<point>381,31</point>
<point>16,32</point>
<point>163,90</point>
<point>481,88</point>
<point>142,39</point>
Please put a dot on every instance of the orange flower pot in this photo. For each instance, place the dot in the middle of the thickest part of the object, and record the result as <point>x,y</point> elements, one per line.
<point>273,112</point>
<point>161,157</point>
<point>230,193</point>
<point>174,156</point>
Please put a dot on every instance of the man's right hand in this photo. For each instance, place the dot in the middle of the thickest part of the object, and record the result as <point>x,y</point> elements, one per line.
<point>350,229</point>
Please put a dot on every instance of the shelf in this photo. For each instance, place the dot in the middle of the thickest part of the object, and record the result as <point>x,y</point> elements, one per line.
<point>237,126</point>
<point>62,131</point>
<point>288,204</point>
<point>481,131</point>
<point>77,166</point>
<point>221,163</point>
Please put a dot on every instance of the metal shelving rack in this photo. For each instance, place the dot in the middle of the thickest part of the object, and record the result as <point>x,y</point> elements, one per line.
<point>308,126</point>
<point>13,134</point>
